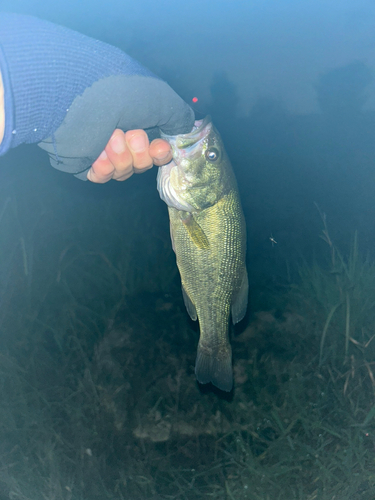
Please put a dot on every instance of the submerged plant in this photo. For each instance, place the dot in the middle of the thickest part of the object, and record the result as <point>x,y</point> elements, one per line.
<point>340,300</point>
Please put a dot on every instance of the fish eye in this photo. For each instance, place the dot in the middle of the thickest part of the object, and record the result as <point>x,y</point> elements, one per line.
<point>212,154</point>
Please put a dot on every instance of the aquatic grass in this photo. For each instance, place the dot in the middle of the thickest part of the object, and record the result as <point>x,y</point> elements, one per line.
<point>58,414</point>
<point>289,444</point>
<point>311,451</point>
<point>12,243</point>
<point>92,349</point>
<point>339,299</point>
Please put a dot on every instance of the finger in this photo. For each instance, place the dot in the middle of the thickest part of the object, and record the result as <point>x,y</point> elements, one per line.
<point>138,144</point>
<point>101,170</point>
<point>160,152</point>
<point>120,156</point>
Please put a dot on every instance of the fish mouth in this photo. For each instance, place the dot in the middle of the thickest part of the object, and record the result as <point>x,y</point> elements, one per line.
<point>189,145</point>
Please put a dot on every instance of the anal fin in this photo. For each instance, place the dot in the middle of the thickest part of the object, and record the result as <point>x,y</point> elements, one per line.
<point>190,307</point>
<point>239,304</point>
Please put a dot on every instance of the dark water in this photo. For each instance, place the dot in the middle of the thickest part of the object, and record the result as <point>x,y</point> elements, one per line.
<point>97,352</point>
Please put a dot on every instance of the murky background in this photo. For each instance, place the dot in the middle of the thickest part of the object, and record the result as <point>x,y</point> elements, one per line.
<point>97,351</point>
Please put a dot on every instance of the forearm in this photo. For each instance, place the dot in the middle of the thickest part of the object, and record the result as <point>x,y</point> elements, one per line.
<point>2,113</point>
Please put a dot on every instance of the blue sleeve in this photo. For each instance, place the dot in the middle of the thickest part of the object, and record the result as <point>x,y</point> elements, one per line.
<point>38,60</point>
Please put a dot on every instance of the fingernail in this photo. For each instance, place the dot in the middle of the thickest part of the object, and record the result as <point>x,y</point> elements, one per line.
<point>138,143</point>
<point>118,145</point>
<point>102,156</point>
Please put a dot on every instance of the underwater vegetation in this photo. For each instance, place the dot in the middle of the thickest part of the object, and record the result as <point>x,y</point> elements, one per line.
<point>341,296</point>
<point>99,398</point>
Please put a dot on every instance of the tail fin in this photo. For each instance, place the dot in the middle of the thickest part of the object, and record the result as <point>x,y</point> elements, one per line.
<point>215,367</point>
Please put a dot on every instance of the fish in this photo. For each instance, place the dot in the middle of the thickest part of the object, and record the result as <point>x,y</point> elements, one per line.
<point>208,233</point>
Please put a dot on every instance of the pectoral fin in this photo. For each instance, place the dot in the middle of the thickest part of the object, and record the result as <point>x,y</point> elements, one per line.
<point>189,305</point>
<point>196,233</point>
<point>239,304</point>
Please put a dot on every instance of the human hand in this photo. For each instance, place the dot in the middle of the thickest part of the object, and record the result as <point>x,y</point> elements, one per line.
<point>78,98</point>
<point>128,153</point>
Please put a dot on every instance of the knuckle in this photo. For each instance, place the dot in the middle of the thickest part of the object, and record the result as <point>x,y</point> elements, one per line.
<point>143,162</point>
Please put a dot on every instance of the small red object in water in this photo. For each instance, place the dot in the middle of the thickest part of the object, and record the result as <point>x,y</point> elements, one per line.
<point>195,99</point>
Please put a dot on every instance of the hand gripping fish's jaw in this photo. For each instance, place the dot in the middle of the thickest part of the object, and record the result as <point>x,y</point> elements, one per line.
<point>215,367</point>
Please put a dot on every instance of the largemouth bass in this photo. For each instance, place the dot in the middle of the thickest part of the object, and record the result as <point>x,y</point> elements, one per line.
<point>209,238</point>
